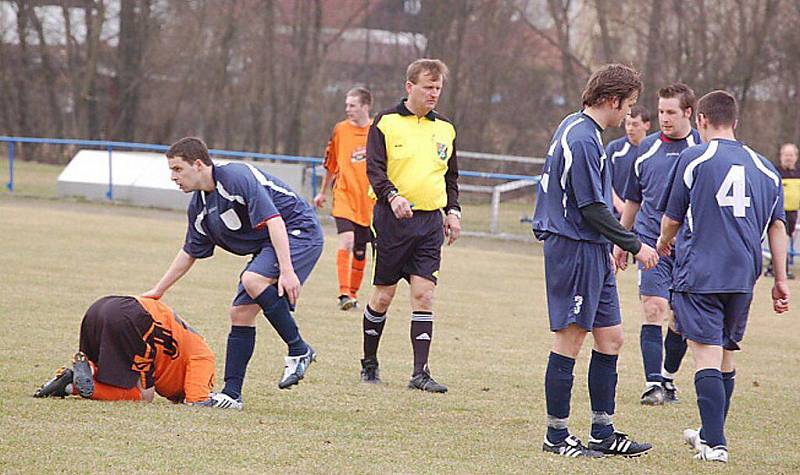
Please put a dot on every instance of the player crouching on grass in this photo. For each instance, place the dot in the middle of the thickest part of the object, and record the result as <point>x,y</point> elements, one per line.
<point>132,348</point>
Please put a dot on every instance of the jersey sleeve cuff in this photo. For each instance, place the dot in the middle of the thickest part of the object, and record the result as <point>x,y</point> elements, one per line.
<point>263,223</point>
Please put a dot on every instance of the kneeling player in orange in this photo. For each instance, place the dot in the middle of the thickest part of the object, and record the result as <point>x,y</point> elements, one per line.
<point>132,348</point>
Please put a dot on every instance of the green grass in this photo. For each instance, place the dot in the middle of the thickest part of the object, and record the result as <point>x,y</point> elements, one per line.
<point>491,344</point>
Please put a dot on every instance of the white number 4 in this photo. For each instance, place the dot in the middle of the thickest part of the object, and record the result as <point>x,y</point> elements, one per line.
<point>733,192</point>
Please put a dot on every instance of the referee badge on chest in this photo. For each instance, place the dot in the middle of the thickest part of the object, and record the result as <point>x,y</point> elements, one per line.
<point>441,150</point>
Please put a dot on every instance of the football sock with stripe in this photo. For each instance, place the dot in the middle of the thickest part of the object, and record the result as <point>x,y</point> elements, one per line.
<point>241,342</point>
<point>711,402</point>
<point>650,342</point>
<point>357,271</point>
<point>276,309</point>
<point>421,335</point>
<point>674,351</point>
<point>558,391</point>
<point>343,271</point>
<point>373,329</point>
<point>602,393</point>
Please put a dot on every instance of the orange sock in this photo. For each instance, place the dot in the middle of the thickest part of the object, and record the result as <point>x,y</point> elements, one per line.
<point>343,270</point>
<point>107,392</point>
<point>356,275</point>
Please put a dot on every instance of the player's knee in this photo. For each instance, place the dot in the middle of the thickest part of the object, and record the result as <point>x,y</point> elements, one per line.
<point>654,310</point>
<point>244,315</point>
<point>360,252</point>
<point>422,298</point>
<point>381,300</point>
<point>254,283</point>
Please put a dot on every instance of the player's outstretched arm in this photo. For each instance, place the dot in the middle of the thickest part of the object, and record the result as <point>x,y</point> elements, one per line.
<point>287,280</point>
<point>179,267</point>
<point>777,246</point>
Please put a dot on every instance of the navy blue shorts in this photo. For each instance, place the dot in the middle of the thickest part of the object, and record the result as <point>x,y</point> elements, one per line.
<point>581,286</point>
<point>406,247</point>
<point>712,319</point>
<point>657,281</point>
<point>304,253</point>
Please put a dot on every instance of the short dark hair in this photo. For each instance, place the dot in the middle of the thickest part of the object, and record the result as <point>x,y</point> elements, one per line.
<point>684,93</point>
<point>363,95</point>
<point>640,111</point>
<point>612,81</point>
<point>719,107</point>
<point>190,149</point>
<point>435,67</point>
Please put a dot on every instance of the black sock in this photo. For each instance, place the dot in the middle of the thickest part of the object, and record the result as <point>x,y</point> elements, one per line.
<point>711,402</point>
<point>650,343</point>
<point>674,350</point>
<point>276,309</point>
<point>241,342</point>
<point>602,392</point>
<point>421,335</point>
<point>558,392</point>
<point>373,329</point>
<point>728,380</point>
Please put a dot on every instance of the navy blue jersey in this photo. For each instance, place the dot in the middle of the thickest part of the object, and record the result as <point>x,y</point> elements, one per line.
<point>621,152</point>
<point>647,179</point>
<point>728,195</point>
<point>575,175</point>
<point>234,215</point>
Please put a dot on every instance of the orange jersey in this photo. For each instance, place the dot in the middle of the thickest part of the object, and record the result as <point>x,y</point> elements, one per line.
<point>345,157</point>
<point>181,361</point>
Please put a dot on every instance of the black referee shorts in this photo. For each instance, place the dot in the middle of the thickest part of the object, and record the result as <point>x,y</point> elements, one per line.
<point>406,247</point>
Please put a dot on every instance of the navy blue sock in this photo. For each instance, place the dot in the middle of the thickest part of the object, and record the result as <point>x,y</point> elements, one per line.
<point>650,341</point>
<point>728,381</point>
<point>674,351</point>
<point>602,393</point>
<point>557,393</point>
<point>276,309</point>
<point>241,342</point>
<point>711,402</point>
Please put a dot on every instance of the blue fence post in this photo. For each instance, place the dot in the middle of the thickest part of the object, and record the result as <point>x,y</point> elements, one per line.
<point>10,184</point>
<point>313,180</point>
<point>110,192</point>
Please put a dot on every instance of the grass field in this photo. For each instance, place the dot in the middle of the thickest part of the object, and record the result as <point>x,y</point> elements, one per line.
<point>490,347</point>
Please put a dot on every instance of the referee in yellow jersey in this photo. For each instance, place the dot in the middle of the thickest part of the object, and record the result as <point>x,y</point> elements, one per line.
<point>412,167</point>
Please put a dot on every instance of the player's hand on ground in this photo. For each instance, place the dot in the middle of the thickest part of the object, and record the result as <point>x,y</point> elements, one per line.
<point>289,284</point>
<point>664,248</point>
<point>452,228</point>
<point>153,293</point>
<point>401,207</point>
<point>780,297</point>
<point>620,257</point>
<point>647,257</point>
<point>319,200</point>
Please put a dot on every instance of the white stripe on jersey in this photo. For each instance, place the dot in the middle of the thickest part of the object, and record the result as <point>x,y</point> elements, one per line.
<point>224,193</point>
<point>760,165</point>
<point>603,157</point>
<point>620,153</point>
<point>268,183</point>
<point>567,153</point>
<point>653,149</point>
<point>690,141</point>
<point>688,174</point>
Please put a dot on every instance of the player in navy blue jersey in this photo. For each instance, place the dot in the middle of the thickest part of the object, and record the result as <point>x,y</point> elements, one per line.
<point>646,183</point>
<point>573,218</point>
<point>247,212</point>
<point>729,197</point>
<point>623,151</point>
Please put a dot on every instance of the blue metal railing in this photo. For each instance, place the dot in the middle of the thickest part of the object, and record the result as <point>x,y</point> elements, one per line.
<point>110,145</point>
